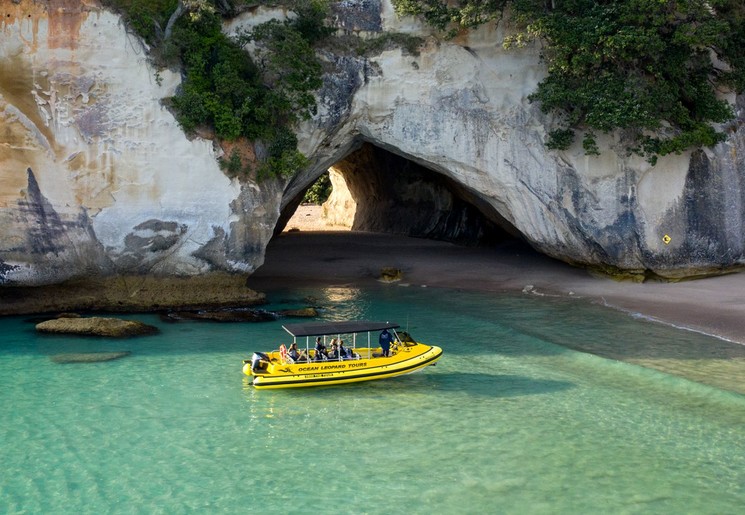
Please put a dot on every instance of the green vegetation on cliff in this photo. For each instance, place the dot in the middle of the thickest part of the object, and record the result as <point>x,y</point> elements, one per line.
<point>652,69</point>
<point>222,87</point>
<point>319,191</point>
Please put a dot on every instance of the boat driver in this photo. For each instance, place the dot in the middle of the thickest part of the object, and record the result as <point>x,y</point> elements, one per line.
<point>385,342</point>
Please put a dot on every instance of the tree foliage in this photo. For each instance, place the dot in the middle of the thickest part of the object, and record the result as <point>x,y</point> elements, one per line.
<point>444,14</point>
<point>147,18</point>
<point>319,191</point>
<point>221,85</point>
<point>290,69</point>
<point>650,68</point>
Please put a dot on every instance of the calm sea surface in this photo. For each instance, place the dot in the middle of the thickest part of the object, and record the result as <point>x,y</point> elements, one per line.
<point>537,406</point>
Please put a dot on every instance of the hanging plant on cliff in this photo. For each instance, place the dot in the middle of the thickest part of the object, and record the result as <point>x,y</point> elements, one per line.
<point>291,73</point>
<point>653,69</point>
<point>153,20</point>
<point>289,67</point>
<point>224,89</point>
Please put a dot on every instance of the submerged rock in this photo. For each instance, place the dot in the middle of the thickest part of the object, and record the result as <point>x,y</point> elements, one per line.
<point>390,275</point>
<point>88,357</point>
<point>96,326</point>
<point>223,315</point>
<point>239,315</point>
<point>301,313</point>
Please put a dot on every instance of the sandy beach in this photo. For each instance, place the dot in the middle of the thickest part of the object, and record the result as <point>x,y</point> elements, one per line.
<point>307,256</point>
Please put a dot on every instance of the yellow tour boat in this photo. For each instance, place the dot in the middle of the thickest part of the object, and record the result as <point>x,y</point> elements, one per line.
<point>329,359</point>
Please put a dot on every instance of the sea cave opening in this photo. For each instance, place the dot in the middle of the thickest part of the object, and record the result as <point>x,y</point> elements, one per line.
<point>375,190</point>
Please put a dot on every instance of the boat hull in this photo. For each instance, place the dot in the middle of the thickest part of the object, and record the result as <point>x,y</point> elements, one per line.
<point>367,367</point>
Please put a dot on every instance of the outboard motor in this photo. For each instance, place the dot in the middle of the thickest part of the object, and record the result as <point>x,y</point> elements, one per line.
<point>256,360</point>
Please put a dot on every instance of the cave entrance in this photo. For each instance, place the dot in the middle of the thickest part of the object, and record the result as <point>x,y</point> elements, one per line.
<point>375,190</point>
<point>326,206</point>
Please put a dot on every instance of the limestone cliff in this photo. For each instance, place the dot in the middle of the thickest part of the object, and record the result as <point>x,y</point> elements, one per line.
<point>460,109</point>
<point>98,180</point>
<point>96,177</point>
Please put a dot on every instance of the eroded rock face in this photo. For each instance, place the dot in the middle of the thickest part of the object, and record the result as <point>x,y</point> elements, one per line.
<point>96,176</point>
<point>98,180</point>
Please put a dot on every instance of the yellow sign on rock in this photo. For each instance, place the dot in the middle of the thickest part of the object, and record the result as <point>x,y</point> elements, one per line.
<point>667,239</point>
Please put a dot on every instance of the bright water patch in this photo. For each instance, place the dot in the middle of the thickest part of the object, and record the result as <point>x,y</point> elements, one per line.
<point>509,421</point>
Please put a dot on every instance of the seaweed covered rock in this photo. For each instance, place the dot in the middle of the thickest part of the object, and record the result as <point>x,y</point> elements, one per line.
<point>390,275</point>
<point>309,312</point>
<point>96,326</point>
<point>222,315</point>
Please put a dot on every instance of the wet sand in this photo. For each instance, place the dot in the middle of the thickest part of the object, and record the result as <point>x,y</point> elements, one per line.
<point>301,258</point>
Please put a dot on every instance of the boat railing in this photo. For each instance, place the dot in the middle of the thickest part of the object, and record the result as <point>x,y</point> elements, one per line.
<point>365,353</point>
<point>287,360</point>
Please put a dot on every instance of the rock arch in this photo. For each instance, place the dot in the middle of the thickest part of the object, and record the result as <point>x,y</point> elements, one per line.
<point>376,190</point>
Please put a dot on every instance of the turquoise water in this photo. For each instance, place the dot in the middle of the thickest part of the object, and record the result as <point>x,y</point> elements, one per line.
<point>512,420</point>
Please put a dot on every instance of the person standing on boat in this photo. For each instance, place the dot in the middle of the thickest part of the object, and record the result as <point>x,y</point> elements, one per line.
<point>385,341</point>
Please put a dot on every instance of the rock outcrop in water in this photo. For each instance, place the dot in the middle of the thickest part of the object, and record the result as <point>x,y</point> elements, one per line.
<point>96,326</point>
<point>98,181</point>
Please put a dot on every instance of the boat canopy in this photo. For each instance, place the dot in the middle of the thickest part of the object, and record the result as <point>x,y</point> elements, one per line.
<point>326,328</point>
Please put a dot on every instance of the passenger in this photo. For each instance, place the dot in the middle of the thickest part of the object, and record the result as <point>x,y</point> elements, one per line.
<point>343,351</point>
<point>385,342</point>
<point>320,349</point>
<point>294,353</point>
<point>334,354</point>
